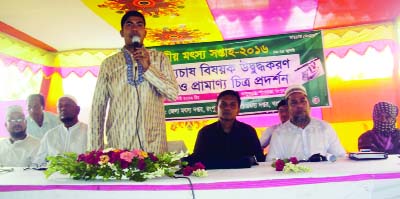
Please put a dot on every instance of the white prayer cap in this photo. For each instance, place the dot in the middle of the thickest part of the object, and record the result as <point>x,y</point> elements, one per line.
<point>295,89</point>
<point>14,109</point>
<point>69,97</point>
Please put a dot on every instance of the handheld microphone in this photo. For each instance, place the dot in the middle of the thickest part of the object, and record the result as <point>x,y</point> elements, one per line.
<point>136,42</point>
<point>136,45</point>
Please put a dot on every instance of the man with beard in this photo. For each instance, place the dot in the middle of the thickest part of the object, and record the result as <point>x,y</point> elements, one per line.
<point>384,136</point>
<point>20,149</point>
<point>39,121</point>
<point>227,143</point>
<point>71,136</point>
<point>303,136</point>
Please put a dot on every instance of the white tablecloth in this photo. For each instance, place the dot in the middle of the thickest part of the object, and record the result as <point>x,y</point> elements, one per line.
<point>378,179</point>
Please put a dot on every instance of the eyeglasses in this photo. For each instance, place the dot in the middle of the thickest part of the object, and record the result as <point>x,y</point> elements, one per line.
<point>16,120</point>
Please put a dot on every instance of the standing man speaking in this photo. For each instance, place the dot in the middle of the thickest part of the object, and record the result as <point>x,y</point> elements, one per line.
<point>133,83</point>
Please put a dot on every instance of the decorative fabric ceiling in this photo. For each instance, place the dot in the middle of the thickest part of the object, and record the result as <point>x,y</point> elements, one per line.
<point>95,23</point>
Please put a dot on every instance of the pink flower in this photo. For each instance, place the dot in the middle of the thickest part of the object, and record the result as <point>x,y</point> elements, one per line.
<point>293,160</point>
<point>139,154</point>
<point>279,164</point>
<point>127,156</point>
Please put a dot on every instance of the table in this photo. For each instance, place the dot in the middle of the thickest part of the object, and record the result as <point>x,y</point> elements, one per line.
<point>342,179</point>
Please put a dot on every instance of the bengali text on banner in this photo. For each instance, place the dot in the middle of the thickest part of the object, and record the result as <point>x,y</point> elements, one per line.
<point>260,69</point>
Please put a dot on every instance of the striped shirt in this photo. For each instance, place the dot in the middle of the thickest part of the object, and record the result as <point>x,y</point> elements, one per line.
<point>123,124</point>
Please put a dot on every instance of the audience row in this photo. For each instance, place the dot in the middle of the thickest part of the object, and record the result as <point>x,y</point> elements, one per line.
<point>226,143</point>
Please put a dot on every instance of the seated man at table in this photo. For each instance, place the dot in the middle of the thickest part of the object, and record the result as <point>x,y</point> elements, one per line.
<point>283,112</point>
<point>227,143</point>
<point>303,136</point>
<point>384,136</point>
<point>19,149</point>
<point>70,136</point>
<point>38,120</point>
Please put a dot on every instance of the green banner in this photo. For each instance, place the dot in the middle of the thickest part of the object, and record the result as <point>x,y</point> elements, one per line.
<point>260,69</point>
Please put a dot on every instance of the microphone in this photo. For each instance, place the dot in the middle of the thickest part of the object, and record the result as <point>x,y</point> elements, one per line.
<point>136,42</point>
<point>136,45</point>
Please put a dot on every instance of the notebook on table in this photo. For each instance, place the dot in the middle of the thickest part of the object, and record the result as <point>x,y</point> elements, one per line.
<point>371,155</point>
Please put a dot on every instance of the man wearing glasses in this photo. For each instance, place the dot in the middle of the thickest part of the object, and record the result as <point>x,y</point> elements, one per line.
<point>19,149</point>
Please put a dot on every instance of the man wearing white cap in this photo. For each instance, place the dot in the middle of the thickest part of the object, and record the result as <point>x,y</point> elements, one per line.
<point>71,136</point>
<point>303,136</point>
<point>20,149</point>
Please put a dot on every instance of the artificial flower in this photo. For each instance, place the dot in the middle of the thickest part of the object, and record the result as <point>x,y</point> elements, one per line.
<point>289,165</point>
<point>139,154</point>
<point>188,170</point>
<point>104,159</point>
<point>127,156</point>
<point>200,173</point>
<point>279,164</point>
<point>136,165</point>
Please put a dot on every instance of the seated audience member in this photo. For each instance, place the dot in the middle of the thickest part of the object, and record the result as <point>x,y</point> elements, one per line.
<point>283,113</point>
<point>39,121</point>
<point>303,136</point>
<point>19,149</point>
<point>384,136</point>
<point>70,136</point>
<point>227,143</point>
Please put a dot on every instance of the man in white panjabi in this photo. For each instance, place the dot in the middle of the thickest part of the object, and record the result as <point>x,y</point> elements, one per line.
<point>38,120</point>
<point>303,136</point>
<point>71,136</point>
<point>19,149</point>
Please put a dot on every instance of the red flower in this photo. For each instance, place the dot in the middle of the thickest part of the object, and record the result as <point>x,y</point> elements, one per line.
<point>198,165</point>
<point>114,156</point>
<point>141,164</point>
<point>82,157</point>
<point>124,164</point>
<point>92,158</point>
<point>187,171</point>
<point>279,164</point>
<point>153,157</point>
<point>293,160</point>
